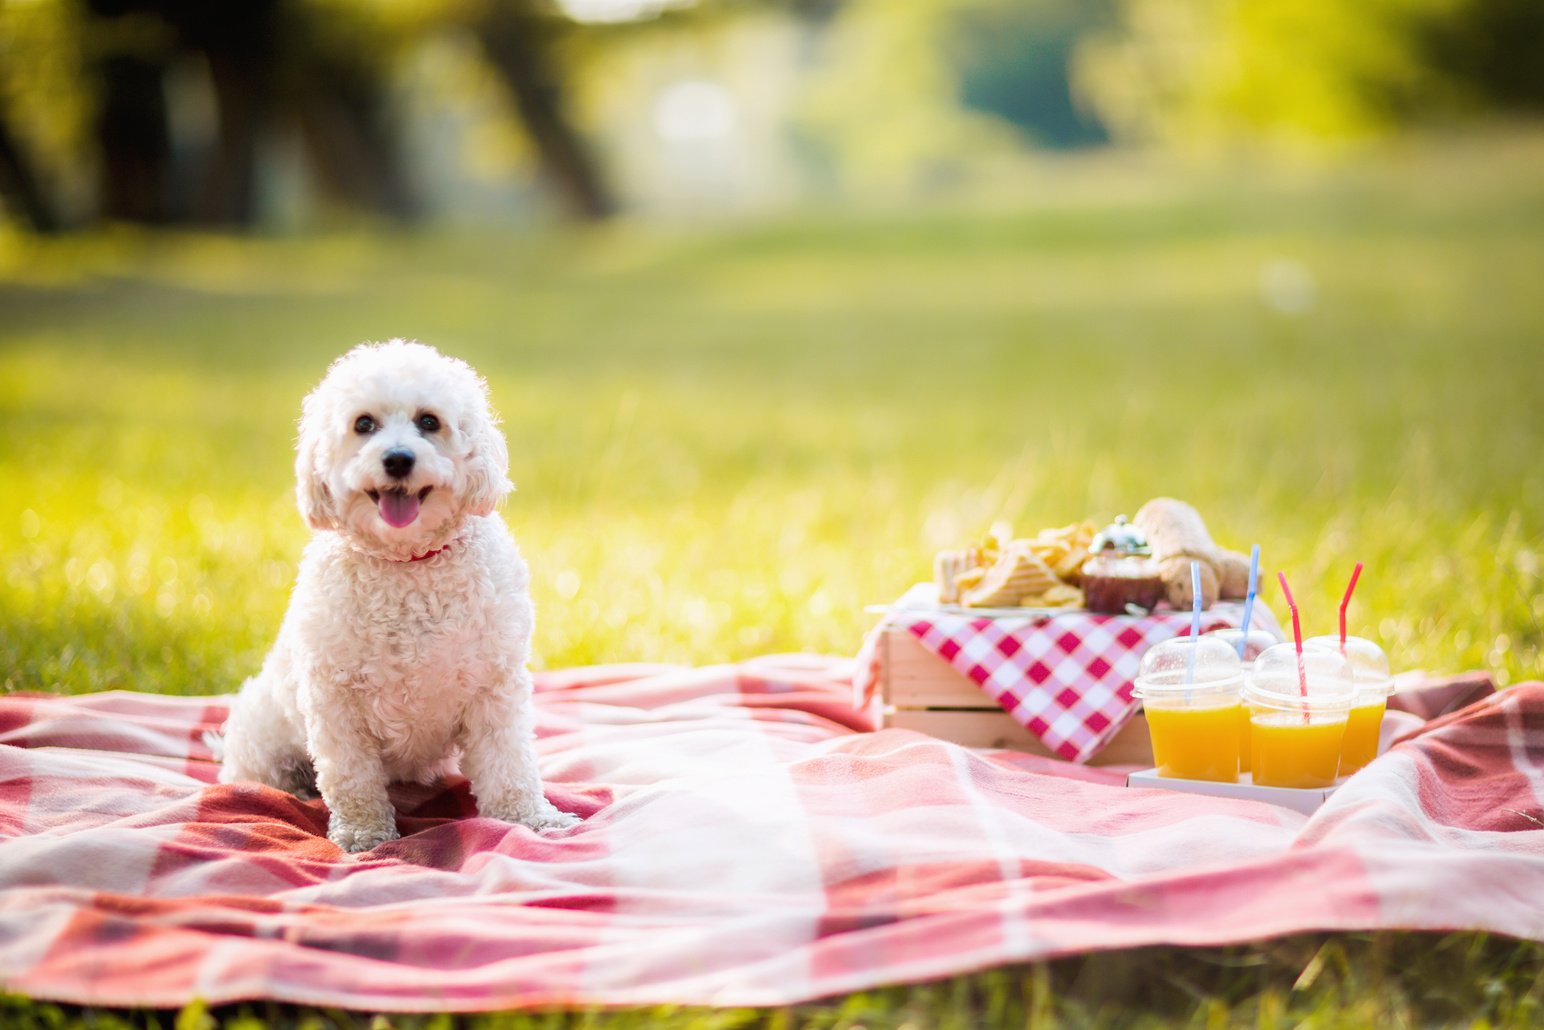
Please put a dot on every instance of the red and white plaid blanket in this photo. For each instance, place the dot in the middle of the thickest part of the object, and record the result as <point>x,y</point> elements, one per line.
<point>745,842</point>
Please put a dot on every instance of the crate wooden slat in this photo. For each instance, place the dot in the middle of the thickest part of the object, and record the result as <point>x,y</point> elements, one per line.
<point>923,692</point>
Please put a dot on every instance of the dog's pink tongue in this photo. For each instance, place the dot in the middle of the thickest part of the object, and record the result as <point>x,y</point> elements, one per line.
<point>399,508</point>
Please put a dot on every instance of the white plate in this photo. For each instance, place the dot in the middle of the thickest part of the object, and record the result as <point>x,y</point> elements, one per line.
<point>899,608</point>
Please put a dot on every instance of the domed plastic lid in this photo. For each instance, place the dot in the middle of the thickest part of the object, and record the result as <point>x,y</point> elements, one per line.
<point>1257,641</point>
<point>1327,684</point>
<point>1187,665</point>
<point>1369,665</point>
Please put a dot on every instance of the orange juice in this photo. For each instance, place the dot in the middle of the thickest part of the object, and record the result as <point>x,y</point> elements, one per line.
<point>1361,743</point>
<point>1244,745</point>
<point>1196,743</point>
<point>1288,752</point>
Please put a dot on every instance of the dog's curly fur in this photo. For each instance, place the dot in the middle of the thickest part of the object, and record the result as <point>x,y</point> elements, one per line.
<point>390,664</point>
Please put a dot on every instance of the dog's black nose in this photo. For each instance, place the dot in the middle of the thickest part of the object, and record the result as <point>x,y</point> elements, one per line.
<point>398,462</point>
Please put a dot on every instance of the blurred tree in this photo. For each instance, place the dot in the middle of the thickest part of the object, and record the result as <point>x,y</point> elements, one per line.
<point>266,63</point>
<point>333,69</point>
<point>133,47</point>
<point>43,113</point>
<point>184,101</point>
<point>1302,72</point>
<point>19,189</point>
<point>240,43</point>
<point>1496,51</point>
<point>130,49</point>
<point>519,39</point>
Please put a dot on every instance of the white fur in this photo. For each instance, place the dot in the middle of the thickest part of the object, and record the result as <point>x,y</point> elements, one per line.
<point>386,669</point>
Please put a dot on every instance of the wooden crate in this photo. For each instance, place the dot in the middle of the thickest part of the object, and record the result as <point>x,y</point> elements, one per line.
<point>923,692</point>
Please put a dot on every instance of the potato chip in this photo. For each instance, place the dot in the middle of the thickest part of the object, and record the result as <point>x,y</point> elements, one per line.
<point>969,578</point>
<point>1017,572</point>
<point>1061,596</point>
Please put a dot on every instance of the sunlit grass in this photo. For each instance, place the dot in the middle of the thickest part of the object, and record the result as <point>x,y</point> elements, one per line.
<point>730,442</point>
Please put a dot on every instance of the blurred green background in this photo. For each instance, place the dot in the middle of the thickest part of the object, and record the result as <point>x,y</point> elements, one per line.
<point>776,299</point>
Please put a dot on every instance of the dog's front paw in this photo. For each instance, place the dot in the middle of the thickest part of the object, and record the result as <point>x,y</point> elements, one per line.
<point>357,837</point>
<point>538,815</point>
<point>550,818</point>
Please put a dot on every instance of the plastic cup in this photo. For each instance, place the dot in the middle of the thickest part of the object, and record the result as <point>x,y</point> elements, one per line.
<point>1193,717</point>
<point>1257,641</point>
<point>1370,670</point>
<point>1296,727</point>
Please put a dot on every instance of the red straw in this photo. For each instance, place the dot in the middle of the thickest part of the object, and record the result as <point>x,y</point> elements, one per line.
<point>1355,573</point>
<point>1297,635</point>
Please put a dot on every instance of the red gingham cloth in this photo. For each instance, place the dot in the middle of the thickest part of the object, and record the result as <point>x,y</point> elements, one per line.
<point>745,842</point>
<point>1066,677</point>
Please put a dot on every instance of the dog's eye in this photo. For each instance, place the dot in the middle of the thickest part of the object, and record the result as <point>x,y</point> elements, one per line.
<point>428,423</point>
<point>364,425</point>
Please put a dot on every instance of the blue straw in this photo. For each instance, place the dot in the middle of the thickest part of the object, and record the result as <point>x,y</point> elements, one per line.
<point>1195,621</point>
<point>1254,585</point>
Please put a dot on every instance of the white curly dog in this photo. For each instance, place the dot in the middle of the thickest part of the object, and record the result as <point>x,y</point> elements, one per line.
<point>406,638</point>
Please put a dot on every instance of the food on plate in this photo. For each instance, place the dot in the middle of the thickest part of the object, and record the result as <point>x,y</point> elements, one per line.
<point>1142,563</point>
<point>1178,536</point>
<point>1043,571</point>
<point>1017,573</point>
<point>948,567</point>
<point>1120,570</point>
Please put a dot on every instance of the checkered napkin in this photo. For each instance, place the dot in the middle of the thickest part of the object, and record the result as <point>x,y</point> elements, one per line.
<point>1064,676</point>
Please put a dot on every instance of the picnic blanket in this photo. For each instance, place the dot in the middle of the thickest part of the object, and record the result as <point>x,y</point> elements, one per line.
<point>746,841</point>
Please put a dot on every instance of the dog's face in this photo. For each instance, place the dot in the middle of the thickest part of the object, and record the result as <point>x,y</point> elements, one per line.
<point>397,445</point>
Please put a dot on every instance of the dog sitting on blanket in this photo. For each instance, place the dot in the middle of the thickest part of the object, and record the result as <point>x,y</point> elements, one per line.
<point>406,638</point>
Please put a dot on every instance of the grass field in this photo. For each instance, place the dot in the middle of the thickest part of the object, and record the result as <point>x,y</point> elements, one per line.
<point>729,441</point>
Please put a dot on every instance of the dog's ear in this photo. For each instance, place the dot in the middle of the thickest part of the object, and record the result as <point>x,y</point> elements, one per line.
<point>311,493</point>
<point>488,464</point>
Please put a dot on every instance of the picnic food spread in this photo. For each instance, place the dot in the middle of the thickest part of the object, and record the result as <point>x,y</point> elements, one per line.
<point>1140,562</point>
<point>1232,704</point>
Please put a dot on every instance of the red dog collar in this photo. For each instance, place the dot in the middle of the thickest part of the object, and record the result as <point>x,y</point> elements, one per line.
<point>429,554</point>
